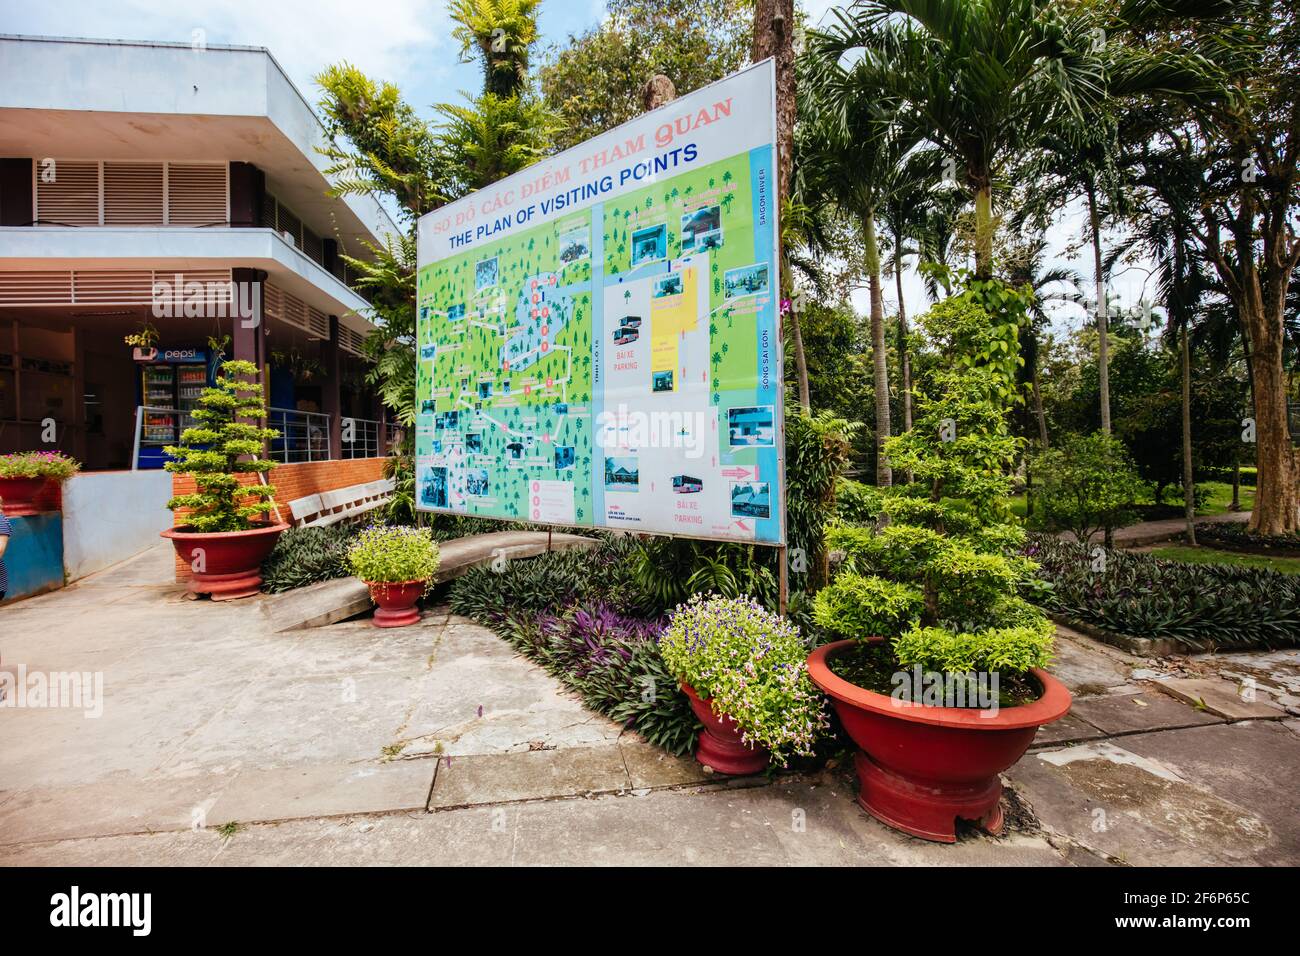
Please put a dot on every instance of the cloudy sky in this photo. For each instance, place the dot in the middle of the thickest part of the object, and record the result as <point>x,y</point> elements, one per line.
<point>406,41</point>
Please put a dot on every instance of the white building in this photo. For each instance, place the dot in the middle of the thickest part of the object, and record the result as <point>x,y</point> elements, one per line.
<point>133,175</point>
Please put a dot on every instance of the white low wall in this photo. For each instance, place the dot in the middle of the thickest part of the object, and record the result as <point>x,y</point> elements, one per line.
<point>110,515</point>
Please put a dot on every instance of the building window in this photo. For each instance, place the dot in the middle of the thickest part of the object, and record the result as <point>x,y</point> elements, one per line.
<point>119,193</point>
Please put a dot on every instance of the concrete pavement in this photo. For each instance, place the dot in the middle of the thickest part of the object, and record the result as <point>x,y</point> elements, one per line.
<point>220,741</point>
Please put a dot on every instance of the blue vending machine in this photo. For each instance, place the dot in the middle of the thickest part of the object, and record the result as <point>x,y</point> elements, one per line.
<point>171,381</point>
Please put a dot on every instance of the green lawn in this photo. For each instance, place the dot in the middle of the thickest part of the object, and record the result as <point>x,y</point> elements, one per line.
<point>1211,556</point>
<point>1219,497</point>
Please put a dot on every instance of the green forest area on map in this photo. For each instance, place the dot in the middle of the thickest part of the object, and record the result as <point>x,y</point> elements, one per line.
<point>504,368</point>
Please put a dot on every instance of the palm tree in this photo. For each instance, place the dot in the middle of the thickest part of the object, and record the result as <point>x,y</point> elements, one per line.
<point>491,138</point>
<point>1162,228</point>
<point>903,218</point>
<point>977,78</point>
<point>853,157</point>
<point>502,32</point>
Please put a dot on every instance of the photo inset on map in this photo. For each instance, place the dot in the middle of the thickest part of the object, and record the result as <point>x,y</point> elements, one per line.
<point>456,312</point>
<point>476,482</point>
<point>649,244</point>
<point>622,474</point>
<point>751,499</point>
<point>747,280</point>
<point>662,382</point>
<point>750,427</point>
<point>434,492</point>
<point>564,457</point>
<point>574,246</point>
<point>474,443</point>
<point>702,229</point>
<point>485,274</point>
<point>670,284</point>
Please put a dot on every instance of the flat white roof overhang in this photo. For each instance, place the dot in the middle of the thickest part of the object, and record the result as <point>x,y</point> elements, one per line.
<point>69,98</point>
<point>106,249</point>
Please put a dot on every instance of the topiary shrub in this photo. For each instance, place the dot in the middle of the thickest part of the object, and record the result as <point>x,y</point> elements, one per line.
<point>224,445</point>
<point>940,581</point>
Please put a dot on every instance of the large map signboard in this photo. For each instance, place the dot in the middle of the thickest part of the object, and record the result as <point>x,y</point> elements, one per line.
<point>598,335</point>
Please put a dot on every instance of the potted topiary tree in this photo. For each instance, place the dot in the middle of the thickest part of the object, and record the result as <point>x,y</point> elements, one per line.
<point>224,539</point>
<point>398,564</point>
<point>941,682</point>
<point>24,474</point>
<point>740,667</point>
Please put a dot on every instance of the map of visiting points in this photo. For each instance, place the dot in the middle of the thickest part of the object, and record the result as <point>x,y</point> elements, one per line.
<point>605,352</point>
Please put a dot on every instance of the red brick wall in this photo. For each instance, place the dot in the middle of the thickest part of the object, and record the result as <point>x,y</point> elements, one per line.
<point>292,481</point>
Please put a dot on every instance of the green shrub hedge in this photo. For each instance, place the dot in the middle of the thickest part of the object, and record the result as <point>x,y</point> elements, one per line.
<point>1234,536</point>
<point>1201,606</point>
<point>305,556</point>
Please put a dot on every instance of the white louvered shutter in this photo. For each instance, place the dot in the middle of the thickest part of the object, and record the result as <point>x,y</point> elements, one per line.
<point>67,193</point>
<point>133,194</point>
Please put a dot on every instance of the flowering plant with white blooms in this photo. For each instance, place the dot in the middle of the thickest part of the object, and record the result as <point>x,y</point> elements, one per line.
<point>750,663</point>
<point>385,554</point>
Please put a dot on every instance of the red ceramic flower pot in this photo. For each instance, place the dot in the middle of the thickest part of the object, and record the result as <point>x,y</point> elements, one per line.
<point>922,767</point>
<point>396,602</point>
<point>720,745</point>
<point>225,564</point>
<point>20,495</point>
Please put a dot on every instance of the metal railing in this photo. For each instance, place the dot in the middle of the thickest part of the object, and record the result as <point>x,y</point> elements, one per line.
<point>360,437</point>
<point>304,436</point>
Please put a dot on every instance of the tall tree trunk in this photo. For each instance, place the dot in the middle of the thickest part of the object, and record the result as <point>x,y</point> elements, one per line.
<point>1103,331</point>
<point>774,37</point>
<point>1189,486</point>
<point>1236,483</point>
<point>904,353</point>
<point>1275,480</point>
<point>984,229</point>
<point>1038,413</point>
<point>884,474</point>
<point>800,360</point>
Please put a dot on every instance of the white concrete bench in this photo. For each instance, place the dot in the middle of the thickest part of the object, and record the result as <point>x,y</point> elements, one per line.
<point>341,504</point>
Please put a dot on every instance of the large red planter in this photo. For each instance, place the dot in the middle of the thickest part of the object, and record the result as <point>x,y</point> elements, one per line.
<point>920,768</point>
<point>20,495</point>
<point>720,745</point>
<point>396,602</point>
<point>225,564</point>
